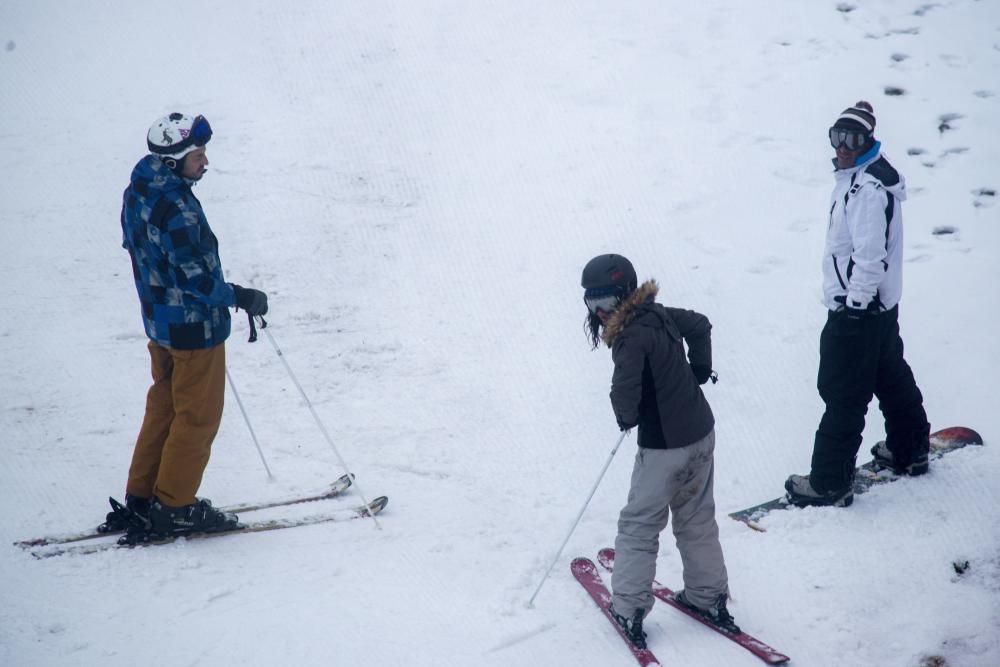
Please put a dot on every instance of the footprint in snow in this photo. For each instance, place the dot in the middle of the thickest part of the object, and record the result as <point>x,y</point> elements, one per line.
<point>984,197</point>
<point>945,230</point>
<point>915,151</point>
<point>946,121</point>
<point>951,60</point>
<point>767,265</point>
<point>894,91</point>
<point>983,94</point>
<point>957,150</point>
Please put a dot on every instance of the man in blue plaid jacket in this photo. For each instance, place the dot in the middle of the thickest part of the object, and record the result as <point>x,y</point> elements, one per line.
<point>184,301</point>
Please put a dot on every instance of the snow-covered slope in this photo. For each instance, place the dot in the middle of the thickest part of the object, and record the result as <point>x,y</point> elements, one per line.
<point>417,186</point>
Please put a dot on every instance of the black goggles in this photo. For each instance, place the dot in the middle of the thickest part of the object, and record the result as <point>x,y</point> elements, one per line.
<point>603,300</point>
<point>201,131</point>
<point>853,139</point>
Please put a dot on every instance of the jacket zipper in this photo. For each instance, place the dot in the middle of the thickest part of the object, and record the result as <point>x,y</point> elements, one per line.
<point>836,270</point>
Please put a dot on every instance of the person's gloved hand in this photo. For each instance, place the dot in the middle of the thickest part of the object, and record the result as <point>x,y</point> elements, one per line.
<point>622,426</point>
<point>253,301</point>
<point>852,316</point>
<point>704,373</point>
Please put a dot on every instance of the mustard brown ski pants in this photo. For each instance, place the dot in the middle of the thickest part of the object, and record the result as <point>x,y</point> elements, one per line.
<point>183,413</point>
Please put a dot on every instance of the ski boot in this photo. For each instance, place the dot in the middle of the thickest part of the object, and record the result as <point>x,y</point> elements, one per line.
<point>632,627</point>
<point>122,516</point>
<point>717,614</point>
<point>198,517</point>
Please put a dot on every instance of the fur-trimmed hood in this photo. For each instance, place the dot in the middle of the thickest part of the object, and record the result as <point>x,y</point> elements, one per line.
<point>627,310</point>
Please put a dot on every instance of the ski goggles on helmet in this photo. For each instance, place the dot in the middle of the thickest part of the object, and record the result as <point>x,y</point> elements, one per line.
<point>853,139</point>
<point>605,299</point>
<point>201,131</point>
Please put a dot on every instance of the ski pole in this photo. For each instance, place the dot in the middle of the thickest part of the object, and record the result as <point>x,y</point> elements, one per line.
<point>531,601</point>
<point>246,418</point>
<point>319,422</point>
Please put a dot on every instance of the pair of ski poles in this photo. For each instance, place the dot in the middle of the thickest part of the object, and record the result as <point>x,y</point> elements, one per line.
<point>312,410</point>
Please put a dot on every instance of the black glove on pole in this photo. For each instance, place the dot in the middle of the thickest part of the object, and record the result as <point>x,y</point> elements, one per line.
<point>251,300</point>
<point>254,302</point>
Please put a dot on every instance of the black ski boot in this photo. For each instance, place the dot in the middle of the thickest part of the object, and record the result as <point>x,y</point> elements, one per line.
<point>122,516</point>
<point>717,614</point>
<point>631,626</point>
<point>198,517</point>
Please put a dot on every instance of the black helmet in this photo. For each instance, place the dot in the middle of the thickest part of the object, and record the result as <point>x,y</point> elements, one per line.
<point>609,271</point>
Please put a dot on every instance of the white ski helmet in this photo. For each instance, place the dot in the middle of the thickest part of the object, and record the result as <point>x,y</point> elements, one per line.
<point>176,135</point>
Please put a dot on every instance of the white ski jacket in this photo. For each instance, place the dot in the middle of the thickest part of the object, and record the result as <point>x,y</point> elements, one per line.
<point>863,258</point>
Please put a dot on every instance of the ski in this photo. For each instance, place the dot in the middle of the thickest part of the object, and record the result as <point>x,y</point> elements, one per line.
<point>338,487</point>
<point>769,655</point>
<point>371,509</point>
<point>586,573</point>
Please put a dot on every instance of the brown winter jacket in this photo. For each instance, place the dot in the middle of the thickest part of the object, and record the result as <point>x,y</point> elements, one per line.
<point>653,386</point>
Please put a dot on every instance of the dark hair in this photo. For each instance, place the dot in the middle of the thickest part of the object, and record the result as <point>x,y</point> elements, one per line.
<point>592,327</point>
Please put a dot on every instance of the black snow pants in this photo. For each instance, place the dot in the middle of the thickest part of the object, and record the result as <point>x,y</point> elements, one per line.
<point>860,358</point>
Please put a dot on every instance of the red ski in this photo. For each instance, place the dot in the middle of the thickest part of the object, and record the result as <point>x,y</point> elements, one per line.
<point>755,646</point>
<point>586,573</point>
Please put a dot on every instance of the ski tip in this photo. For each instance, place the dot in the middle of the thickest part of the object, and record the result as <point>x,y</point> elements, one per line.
<point>27,544</point>
<point>375,506</point>
<point>341,484</point>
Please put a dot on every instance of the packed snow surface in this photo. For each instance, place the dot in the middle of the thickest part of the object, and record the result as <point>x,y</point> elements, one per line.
<point>417,185</point>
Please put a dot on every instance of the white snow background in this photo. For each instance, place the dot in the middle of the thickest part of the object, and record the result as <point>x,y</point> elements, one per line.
<point>417,186</point>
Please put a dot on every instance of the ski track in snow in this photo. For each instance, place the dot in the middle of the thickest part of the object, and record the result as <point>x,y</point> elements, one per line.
<point>417,186</point>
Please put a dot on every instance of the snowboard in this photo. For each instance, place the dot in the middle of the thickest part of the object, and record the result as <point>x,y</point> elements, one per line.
<point>870,474</point>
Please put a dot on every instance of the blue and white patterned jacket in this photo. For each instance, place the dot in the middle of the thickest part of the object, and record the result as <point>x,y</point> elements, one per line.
<point>175,260</point>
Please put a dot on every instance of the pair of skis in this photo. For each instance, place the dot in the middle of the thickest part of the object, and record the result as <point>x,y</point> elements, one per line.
<point>58,545</point>
<point>589,577</point>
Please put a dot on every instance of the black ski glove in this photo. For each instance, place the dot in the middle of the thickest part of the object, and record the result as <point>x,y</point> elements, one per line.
<point>852,319</point>
<point>704,373</point>
<point>622,426</point>
<point>251,300</point>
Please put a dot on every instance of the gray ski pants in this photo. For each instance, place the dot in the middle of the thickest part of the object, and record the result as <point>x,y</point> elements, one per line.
<point>665,480</point>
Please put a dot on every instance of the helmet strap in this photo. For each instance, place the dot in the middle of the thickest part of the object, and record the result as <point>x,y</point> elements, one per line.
<point>174,164</point>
